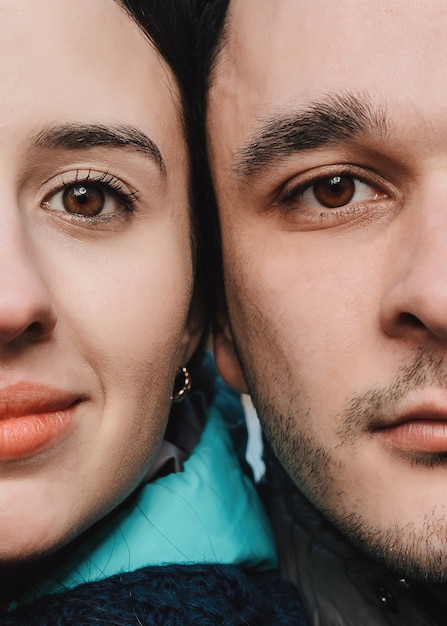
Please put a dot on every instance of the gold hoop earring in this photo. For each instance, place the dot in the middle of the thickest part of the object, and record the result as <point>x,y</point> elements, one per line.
<point>186,386</point>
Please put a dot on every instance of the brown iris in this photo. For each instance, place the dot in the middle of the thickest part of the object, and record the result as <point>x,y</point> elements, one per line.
<point>86,200</point>
<point>335,191</point>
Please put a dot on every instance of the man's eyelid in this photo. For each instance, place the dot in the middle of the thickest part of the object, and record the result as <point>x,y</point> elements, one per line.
<point>368,165</point>
<point>304,180</point>
<point>360,193</point>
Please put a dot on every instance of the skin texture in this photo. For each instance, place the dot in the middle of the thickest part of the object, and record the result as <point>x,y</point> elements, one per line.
<point>94,306</point>
<point>338,311</point>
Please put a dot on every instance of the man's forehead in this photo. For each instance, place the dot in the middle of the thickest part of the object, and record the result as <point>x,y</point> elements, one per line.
<point>264,38</point>
<point>278,55</point>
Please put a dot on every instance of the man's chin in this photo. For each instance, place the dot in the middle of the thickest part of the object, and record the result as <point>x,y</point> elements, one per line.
<point>412,552</point>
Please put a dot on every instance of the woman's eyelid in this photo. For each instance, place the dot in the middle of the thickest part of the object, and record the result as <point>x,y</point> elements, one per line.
<point>105,178</point>
<point>55,202</point>
<point>108,182</point>
<point>117,198</point>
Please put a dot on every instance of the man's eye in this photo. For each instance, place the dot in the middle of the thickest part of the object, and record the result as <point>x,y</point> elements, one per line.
<point>333,192</point>
<point>84,199</point>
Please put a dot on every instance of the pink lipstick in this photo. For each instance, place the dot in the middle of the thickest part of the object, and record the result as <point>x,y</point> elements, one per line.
<point>32,416</point>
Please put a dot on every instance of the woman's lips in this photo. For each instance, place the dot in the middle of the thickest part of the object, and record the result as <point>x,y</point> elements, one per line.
<point>423,432</point>
<point>32,416</point>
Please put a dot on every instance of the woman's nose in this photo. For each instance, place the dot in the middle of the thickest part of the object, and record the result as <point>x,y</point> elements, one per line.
<point>26,309</point>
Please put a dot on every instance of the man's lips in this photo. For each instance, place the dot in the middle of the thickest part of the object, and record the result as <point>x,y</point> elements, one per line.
<point>32,416</point>
<point>422,431</point>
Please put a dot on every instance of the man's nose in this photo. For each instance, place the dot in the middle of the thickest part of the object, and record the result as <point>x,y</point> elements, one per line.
<point>414,305</point>
<point>26,309</point>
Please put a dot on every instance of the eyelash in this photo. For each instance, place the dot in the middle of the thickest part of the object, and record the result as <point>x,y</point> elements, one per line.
<point>108,183</point>
<point>289,199</point>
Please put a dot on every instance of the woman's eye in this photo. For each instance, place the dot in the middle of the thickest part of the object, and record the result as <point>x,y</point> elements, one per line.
<point>333,192</point>
<point>84,199</point>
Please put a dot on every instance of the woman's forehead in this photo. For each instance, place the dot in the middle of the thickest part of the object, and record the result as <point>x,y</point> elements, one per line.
<point>95,67</point>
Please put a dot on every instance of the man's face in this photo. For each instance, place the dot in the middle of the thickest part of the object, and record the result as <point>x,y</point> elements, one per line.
<point>327,131</point>
<point>96,265</point>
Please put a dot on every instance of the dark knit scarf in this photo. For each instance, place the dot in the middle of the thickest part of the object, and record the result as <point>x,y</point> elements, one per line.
<point>172,595</point>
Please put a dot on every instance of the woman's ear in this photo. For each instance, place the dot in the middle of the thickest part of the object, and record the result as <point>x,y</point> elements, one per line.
<point>227,361</point>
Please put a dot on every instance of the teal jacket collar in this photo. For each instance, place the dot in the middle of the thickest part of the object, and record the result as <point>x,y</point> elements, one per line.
<point>208,513</point>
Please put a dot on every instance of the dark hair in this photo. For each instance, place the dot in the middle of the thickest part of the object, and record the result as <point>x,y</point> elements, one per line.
<point>170,26</point>
<point>187,34</point>
<point>210,20</point>
<point>210,23</point>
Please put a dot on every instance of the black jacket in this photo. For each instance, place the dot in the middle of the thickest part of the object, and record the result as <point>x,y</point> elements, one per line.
<point>340,585</point>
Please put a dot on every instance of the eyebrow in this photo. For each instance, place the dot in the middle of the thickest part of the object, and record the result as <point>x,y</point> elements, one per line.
<point>86,136</point>
<point>330,120</point>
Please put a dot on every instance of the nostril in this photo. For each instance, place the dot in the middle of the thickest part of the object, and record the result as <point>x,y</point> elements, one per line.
<point>36,330</point>
<point>410,321</point>
<point>26,324</point>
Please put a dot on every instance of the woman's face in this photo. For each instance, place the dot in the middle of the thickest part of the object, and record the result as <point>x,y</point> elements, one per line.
<point>96,265</point>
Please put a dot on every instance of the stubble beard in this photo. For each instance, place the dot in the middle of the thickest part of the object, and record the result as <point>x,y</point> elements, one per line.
<point>417,551</point>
